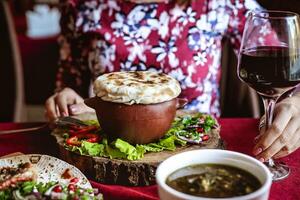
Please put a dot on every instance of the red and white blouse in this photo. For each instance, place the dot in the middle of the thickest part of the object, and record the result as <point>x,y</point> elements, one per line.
<point>100,36</point>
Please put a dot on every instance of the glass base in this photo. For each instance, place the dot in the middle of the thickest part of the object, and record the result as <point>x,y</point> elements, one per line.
<point>279,170</point>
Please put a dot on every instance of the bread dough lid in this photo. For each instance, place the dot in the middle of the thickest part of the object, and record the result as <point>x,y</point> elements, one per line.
<point>136,87</point>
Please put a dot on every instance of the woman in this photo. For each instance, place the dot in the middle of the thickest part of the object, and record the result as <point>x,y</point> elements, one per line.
<point>177,37</point>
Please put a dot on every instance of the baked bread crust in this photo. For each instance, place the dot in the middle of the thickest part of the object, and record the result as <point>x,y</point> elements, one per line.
<point>138,87</point>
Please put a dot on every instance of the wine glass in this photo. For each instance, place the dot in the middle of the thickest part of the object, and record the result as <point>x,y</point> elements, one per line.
<point>269,62</point>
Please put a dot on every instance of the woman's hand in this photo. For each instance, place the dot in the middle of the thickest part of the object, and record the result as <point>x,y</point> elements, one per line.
<point>283,137</point>
<point>64,103</point>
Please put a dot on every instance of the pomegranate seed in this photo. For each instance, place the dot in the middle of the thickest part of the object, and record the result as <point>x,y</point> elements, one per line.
<point>74,180</point>
<point>57,189</point>
<point>200,130</point>
<point>205,137</point>
<point>71,187</point>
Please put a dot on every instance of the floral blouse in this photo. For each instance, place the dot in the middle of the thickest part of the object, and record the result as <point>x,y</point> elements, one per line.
<point>100,36</point>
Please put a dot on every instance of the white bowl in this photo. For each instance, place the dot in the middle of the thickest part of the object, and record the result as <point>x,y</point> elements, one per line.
<point>213,156</point>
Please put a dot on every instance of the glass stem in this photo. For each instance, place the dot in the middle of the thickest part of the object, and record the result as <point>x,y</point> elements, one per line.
<point>269,105</point>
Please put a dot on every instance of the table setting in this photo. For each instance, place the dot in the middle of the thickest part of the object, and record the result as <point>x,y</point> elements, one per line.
<point>140,143</point>
<point>238,133</point>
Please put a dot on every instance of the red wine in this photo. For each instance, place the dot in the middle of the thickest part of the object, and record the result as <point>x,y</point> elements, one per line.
<point>270,70</point>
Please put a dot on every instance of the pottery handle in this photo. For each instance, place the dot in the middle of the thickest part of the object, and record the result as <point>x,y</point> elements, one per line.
<point>181,102</point>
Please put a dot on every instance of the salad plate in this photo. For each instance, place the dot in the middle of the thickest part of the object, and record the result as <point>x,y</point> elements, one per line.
<point>48,168</point>
<point>38,177</point>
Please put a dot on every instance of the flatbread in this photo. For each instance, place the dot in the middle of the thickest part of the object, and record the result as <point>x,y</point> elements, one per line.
<point>139,87</point>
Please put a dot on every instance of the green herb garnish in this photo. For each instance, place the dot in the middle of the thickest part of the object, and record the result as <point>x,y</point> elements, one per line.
<point>182,127</point>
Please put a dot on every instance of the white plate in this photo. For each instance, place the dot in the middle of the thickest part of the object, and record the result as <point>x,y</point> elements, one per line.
<point>48,168</point>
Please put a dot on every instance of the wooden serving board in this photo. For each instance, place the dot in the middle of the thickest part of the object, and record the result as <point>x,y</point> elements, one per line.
<point>130,173</point>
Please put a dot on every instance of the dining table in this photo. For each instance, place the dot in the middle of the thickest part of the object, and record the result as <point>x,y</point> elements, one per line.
<point>237,133</point>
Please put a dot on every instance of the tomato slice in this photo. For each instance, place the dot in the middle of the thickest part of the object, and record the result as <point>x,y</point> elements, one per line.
<point>83,130</point>
<point>76,139</point>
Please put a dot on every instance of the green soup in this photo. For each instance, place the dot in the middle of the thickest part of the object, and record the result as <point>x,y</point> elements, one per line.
<point>213,181</point>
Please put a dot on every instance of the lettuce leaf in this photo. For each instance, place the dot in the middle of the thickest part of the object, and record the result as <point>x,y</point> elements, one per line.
<point>120,149</point>
<point>132,153</point>
<point>93,149</point>
<point>168,143</point>
<point>91,122</point>
<point>124,147</point>
<point>75,149</point>
<point>114,153</point>
<point>152,147</point>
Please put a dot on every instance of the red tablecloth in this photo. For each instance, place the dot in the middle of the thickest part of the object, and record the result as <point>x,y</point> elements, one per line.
<point>237,133</point>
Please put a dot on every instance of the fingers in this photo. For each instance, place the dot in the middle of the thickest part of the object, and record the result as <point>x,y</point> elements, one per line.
<point>50,107</point>
<point>283,136</point>
<point>57,104</point>
<point>288,150</point>
<point>287,139</point>
<point>79,108</point>
<point>281,120</point>
<point>78,99</point>
<point>61,102</point>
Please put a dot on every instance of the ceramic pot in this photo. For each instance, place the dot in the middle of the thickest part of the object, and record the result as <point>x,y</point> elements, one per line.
<point>137,123</point>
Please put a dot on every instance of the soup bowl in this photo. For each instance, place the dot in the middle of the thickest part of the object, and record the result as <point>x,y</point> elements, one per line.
<point>212,156</point>
<point>136,123</point>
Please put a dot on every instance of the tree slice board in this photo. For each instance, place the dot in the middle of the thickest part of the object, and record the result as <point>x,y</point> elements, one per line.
<point>123,172</point>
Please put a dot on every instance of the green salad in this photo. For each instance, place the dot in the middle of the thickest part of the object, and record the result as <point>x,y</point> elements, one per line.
<point>32,190</point>
<point>92,141</point>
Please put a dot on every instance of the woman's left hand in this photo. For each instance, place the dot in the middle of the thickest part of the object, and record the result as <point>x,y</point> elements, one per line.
<point>283,137</point>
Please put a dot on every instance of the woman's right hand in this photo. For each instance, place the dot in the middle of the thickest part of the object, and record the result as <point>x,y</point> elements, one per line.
<point>64,103</point>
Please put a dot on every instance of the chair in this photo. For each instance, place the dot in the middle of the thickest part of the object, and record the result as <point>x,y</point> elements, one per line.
<point>11,73</point>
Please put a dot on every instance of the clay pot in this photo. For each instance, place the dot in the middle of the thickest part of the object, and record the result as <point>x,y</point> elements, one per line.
<point>137,123</point>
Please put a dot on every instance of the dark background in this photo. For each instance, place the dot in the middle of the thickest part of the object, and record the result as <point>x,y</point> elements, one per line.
<point>289,5</point>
